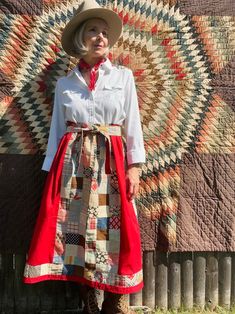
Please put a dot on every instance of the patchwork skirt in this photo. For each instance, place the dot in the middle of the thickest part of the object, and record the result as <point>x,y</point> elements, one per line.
<point>87,230</point>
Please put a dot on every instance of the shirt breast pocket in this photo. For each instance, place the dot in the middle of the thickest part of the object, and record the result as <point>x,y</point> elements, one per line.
<point>110,96</point>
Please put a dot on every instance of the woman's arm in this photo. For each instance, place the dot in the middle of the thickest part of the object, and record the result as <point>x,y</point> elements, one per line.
<point>132,180</point>
<point>57,128</point>
<point>134,138</point>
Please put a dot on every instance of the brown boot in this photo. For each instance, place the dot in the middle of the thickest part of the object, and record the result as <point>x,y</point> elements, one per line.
<point>88,296</point>
<point>116,304</point>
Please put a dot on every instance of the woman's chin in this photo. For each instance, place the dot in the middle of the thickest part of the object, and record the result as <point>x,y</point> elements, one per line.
<point>98,52</point>
<point>98,55</point>
<point>95,55</point>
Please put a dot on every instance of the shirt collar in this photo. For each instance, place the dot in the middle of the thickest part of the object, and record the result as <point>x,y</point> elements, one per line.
<point>106,67</point>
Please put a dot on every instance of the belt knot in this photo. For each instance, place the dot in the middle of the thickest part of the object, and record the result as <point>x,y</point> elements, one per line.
<point>106,130</point>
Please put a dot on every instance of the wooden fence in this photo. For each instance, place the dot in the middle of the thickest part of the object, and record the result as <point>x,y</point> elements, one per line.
<point>171,281</point>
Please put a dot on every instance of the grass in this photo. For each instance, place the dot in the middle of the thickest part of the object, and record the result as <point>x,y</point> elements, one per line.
<point>197,311</point>
<point>217,310</point>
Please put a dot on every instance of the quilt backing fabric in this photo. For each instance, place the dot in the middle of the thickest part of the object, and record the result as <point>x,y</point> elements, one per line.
<point>182,54</point>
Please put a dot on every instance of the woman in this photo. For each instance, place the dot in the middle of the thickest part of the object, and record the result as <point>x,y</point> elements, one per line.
<point>87,230</point>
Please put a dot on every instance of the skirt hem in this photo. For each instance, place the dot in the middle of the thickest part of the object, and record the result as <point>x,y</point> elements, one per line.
<point>97,285</point>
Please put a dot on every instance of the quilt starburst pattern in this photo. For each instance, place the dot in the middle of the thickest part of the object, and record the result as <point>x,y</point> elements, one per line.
<point>183,58</point>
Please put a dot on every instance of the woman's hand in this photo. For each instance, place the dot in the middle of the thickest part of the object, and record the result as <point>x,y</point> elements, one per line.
<point>132,181</point>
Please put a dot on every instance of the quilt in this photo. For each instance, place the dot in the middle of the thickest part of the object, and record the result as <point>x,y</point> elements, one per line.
<point>182,53</point>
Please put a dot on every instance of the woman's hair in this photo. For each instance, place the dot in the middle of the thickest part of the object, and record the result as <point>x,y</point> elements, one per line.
<point>78,43</point>
<point>80,48</point>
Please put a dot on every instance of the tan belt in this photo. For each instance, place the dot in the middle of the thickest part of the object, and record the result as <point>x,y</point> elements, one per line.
<point>105,130</point>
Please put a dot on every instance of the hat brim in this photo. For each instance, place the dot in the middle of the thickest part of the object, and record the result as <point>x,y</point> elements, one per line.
<point>110,17</point>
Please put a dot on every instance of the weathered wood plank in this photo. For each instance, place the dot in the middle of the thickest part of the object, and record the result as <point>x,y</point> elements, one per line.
<point>174,281</point>
<point>199,279</point>
<point>33,297</point>
<point>20,290</point>
<point>60,292</point>
<point>8,284</point>
<point>149,280</point>
<point>232,301</point>
<point>136,299</point>
<point>212,283</point>
<point>1,283</point>
<point>161,287</point>
<point>187,280</point>
<point>47,295</point>
<point>225,272</point>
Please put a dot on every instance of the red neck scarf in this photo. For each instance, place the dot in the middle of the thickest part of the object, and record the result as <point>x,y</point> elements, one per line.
<point>93,70</point>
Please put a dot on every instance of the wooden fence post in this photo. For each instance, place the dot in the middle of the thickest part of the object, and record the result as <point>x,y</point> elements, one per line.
<point>149,280</point>
<point>187,280</point>
<point>199,279</point>
<point>136,299</point>
<point>225,268</point>
<point>174,282</point>
<point>212,290</point>
<point>232,302</point>
<point>161,264</point>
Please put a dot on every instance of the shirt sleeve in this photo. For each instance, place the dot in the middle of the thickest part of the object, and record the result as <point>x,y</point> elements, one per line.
<point>57,129</point>
<point>132,126</point>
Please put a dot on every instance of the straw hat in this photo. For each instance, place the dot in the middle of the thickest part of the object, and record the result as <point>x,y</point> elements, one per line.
<point>87,10</point>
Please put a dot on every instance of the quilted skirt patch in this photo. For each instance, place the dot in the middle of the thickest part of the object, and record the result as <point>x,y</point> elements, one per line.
<point>87,231</point>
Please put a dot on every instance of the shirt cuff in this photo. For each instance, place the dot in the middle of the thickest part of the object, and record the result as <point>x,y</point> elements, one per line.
<point>47,163</point>
<point>135,156</point>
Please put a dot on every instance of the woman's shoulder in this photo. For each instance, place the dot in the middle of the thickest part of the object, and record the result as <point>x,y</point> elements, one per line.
<point>121,67</point>
<point>122,70</point>
<point>64,80</point>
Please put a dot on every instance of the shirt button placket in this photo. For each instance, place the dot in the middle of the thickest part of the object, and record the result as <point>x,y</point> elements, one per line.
<point>91,108</point>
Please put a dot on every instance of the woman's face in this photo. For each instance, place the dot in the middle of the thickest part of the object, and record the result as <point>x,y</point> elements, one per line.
<point>95,38</point>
